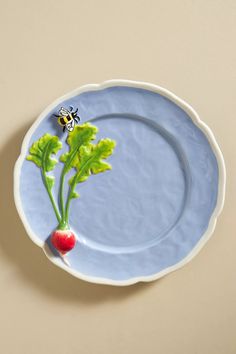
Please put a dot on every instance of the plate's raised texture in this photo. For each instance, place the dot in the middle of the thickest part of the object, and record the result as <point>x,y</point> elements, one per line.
<point>157,206</point>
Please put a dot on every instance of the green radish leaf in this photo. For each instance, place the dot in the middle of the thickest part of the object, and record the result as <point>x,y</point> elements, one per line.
<point>80,136</point>
<point>41,151</point>
<point>91,160</point>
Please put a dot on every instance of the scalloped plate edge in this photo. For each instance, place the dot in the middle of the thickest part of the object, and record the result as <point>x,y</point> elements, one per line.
<point>196,120</point>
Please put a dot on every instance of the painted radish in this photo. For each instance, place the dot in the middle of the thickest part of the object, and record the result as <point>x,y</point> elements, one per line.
<point>84,158</point>
<point>63,240</point>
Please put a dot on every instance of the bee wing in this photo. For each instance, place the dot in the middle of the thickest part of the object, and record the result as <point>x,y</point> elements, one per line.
<point>63,112</point>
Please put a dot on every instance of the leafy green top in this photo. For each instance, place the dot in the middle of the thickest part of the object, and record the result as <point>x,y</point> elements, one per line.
<point>41,154</point>
<point>80,136</point>
<point>91,160</point>
<point>41,151</point>
<point>83,156</point>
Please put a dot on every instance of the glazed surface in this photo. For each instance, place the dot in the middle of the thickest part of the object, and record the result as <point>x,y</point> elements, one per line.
<point>151,210</point>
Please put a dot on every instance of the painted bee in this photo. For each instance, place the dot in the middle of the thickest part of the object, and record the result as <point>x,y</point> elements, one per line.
<point>67,118</point>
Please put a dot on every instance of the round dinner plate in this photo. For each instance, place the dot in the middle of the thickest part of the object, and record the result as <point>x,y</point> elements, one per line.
<point>158,205</point>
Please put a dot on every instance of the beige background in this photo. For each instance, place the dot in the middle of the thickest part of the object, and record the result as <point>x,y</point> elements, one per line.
<point>49,48</point>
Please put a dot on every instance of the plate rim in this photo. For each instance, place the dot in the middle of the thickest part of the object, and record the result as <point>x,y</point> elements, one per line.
<point>195,119</point>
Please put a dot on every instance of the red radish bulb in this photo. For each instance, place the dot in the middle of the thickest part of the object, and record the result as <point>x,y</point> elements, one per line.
<point>63,240</point>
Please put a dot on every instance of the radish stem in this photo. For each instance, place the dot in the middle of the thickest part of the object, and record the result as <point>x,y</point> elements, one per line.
<point>72,189</point>
<point>61,193</point>
<point>51,196</point>
<point>65,170</point>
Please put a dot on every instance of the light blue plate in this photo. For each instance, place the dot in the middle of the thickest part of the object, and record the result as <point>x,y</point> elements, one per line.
<point>157,206</point>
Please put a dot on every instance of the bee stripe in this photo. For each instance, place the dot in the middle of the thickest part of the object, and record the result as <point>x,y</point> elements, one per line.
<point>62,121</point>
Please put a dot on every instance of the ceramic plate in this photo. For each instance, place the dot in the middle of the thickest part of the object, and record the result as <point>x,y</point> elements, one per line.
<point>158,205</point>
